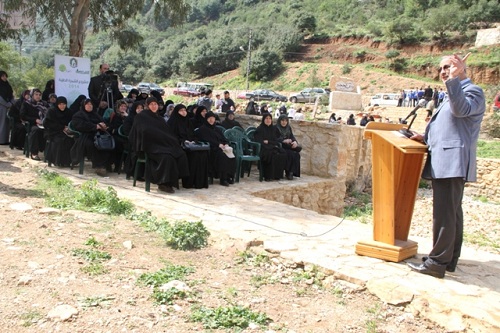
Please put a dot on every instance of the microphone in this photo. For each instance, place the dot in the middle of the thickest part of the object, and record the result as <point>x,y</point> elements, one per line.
<point>406,131</point>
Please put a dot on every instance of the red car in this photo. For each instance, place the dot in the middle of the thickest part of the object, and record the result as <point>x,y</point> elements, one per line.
<point>185,91</point>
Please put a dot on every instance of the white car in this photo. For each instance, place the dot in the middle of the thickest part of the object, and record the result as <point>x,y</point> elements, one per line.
<point>384,99</point>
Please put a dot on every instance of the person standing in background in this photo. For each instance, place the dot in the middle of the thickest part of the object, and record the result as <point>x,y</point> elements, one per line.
<point>6,101</point>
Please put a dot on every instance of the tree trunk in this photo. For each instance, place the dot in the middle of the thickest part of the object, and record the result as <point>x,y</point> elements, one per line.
<point>78,27</point>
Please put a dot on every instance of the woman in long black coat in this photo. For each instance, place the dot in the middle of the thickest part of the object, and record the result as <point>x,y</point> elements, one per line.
<point>88,122</point>
<point>150,134</point>
<point>221,166</point>
<point>273,157</point>
<point>56,131</point>
<point>18,134</point>
<point>129,167</point>
<point>198,159</point>
<point>291,146</point>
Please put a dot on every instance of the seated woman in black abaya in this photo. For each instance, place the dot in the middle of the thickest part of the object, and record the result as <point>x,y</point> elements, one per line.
<point>221,165</point>
<point>88,122</point>
<point>183,128</point>
<point>273,157</point>
<point>150,134</point>
<point>291,146</point>
<point>56,130</point>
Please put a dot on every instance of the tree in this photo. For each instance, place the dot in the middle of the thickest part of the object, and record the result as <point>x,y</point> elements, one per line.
<point>443,19</point>
<point>70,18</point>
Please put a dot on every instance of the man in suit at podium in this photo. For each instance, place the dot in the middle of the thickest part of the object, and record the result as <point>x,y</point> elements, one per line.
<point>451,136</point>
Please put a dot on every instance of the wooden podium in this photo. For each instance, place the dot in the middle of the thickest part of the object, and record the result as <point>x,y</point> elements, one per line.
<point>396,168</point>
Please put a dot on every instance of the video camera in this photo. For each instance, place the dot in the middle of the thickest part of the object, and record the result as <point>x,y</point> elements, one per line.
<point>108,78</point>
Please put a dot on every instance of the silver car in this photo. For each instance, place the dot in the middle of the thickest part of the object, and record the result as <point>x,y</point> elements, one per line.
<point>309,95</point>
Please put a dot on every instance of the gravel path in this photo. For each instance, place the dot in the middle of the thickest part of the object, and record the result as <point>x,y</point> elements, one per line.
<point>481,221</point>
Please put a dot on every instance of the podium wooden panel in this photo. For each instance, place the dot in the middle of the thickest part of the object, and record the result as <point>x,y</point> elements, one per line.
<point>396,167</point>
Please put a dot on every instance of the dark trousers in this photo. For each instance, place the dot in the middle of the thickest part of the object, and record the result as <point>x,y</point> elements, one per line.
<point>448,220</point>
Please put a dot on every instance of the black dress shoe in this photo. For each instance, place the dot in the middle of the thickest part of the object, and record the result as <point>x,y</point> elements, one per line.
<point>230,181</point>
<point>224,182</point>
<point>422,268</point>
<point>451,267</point>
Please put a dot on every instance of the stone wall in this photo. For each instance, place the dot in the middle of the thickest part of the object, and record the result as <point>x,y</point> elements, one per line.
<point>342,158</point>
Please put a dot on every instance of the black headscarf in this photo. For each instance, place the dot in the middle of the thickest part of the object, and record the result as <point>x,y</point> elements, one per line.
<point>198,119</point>
<point>75,106</point>
<point>6,91</point>
<point>133,91</point>
<point>228,123</point>
<point>181,126</point>
<point>210,134</point>
<point>129,120</point>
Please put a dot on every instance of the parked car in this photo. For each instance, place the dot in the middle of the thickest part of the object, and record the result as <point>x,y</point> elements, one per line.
<point>186,91</point>
<point>126,88</point>
<point>384,99</point>
<point>147,87</point>
<point>266,95</point>
<point>309,95</point>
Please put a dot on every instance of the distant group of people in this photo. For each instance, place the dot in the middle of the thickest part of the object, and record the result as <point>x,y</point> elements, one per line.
<point>144,125</point>
<point>410,98</point>
<point>253,108</point>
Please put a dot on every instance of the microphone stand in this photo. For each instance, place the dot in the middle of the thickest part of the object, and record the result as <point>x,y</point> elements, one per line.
<point>406,131</point>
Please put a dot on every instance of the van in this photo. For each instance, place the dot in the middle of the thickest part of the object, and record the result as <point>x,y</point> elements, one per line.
<point>384,99</point>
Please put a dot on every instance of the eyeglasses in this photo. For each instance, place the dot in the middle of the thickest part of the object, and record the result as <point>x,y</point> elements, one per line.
<point>445,67</point>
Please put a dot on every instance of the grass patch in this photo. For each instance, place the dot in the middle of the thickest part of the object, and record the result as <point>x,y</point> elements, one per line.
<point>97,301</point>
<point>30,318</point>
<point>61,193</point>
<point>482,240</point>
<point>261,280</point>
<point>488,149</point>
<point>94,256</point>
<point>163,276</point>
<point>227,317</point>
<point>150,222</point>
<point>252,259</point>
<point>360,208</point>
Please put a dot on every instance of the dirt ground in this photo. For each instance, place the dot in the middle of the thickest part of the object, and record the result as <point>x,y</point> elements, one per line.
<point>39,273</point>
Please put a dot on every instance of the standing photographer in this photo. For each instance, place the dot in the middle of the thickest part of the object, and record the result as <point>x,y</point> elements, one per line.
<point>100,85</point>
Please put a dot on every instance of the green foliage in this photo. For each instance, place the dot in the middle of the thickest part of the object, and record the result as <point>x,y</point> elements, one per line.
<point>346,68</point>
<point>30,318</point>
<point>265,65</point>
<point>227,317</point>
<point>91,255</point>
<point>184,235</point>
<point>168,296</point>
<point>165,275</point>
<point>150,222</point>
<point>488,149</point>
<point>60,193</point>
<point>360,208</point>
<point>402,30</point>
<point>392,54</point>
<point>253,259</point>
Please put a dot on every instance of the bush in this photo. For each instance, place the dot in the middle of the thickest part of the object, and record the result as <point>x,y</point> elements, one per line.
<point>346,69</point>
<point>185,235</point>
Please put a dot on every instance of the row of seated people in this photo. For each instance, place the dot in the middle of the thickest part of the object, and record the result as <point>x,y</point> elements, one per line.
<point>161,140</point>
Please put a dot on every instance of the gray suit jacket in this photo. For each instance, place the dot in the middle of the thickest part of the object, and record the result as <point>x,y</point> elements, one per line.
<point>453,131</point>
